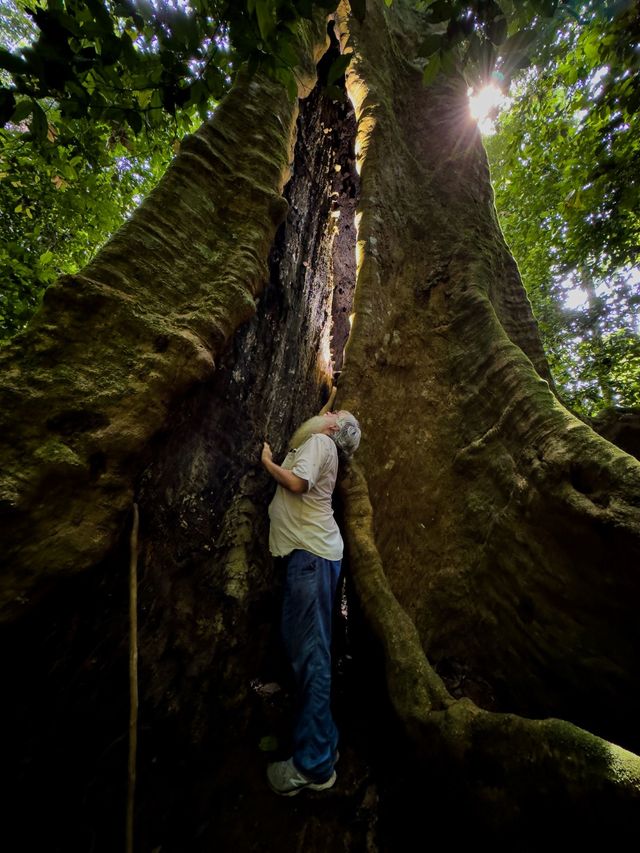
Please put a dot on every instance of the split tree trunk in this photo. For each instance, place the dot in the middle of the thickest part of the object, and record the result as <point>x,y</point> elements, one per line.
<point>492,538</point>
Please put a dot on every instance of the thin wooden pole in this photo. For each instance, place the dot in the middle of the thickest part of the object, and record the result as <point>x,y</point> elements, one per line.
<point>133,674</point>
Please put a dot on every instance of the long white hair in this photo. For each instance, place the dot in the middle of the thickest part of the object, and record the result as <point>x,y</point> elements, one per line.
<point>346,438</point>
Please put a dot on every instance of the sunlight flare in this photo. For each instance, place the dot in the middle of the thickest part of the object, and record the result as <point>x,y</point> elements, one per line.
<point>484,104</point>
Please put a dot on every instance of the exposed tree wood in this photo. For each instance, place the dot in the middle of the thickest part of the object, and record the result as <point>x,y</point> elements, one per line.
<point>203,483</point>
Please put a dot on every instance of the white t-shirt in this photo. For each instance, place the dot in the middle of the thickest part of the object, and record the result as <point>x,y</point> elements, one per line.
<point>306,521</point>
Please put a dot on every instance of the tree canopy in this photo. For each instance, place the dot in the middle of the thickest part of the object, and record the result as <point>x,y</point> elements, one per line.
<point>566,160</point>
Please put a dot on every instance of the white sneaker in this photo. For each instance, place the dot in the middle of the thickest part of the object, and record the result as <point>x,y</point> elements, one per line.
<point>285,779</point>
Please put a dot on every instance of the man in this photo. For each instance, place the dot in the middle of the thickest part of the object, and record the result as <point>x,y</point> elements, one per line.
<point>304,532</point>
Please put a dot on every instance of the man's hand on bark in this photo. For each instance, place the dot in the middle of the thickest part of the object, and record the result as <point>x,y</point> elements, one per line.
<point>281,475</point>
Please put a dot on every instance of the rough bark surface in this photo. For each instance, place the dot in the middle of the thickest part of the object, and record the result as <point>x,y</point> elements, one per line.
<point>94,376</point>
<point>212,677</point>
<point>521,777</point>
<point>210,584</point>
<point>509,531</point>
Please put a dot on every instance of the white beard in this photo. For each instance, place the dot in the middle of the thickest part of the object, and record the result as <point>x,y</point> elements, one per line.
<point>308,428</point>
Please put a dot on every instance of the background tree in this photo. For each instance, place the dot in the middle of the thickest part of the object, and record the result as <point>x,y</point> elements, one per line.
<point>565,167</point>
<point>491,535</point>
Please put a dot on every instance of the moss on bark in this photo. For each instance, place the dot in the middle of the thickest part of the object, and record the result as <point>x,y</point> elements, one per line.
<point>509,531</point>
<point>92,379</point>
<point>518,773</point>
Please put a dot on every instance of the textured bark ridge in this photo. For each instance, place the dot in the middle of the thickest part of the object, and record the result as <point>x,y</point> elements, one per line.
<point>509,532</point>
<point>92,379</point>
<point>519,776</point>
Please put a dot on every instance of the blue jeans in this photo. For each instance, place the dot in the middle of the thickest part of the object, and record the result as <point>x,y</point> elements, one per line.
<point>309,590</point>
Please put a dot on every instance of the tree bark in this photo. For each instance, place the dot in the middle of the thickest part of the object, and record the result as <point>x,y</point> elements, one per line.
<point>93,378</point>
<point>507,528</point>
<point>492,538</point>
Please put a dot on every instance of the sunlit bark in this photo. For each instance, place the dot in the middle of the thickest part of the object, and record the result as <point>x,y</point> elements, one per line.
<point>509,531</point>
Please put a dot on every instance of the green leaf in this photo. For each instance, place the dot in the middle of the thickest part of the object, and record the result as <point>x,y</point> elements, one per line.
<point>566,7</point>
<point>184,28</point>
<point>129,53</point>
<point>199,93</point>
<point>155,109</point>
<point>304,9</point>
<point>448,61</point>
<point>12,63</point>
<point>592,49</point>
<point>335,93</point>
<point>287,51</point>
<point>286,76</point>
<point>214,78</point>
<point>22,110</point>
<point>338,68</point>
<point>440,11</point>
<point>497,30</point>
<point>519,42</point>
<point>517,49</point>
<point>572,75</point>
<point>431,69</point>
<point>135,121</point>
<point>265,13</point>
<point>545,7</point>
<point>73,108</point>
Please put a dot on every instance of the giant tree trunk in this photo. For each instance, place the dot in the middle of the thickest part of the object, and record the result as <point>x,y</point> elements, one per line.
<point>492,539</point>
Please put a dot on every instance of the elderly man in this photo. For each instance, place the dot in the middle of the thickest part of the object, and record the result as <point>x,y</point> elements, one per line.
<point>304,532</point>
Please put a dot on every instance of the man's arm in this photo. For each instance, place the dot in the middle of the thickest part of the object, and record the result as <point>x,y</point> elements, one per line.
<point>286,478</point>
